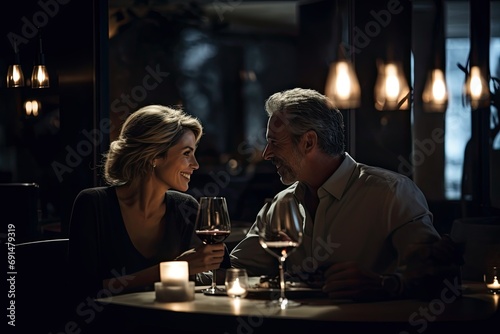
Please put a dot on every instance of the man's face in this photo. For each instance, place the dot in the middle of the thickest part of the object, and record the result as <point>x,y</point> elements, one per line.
<point>281,150</point>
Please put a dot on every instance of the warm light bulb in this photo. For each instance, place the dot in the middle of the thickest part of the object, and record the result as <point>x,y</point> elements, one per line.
<point>435,94</point>
<point>438,86</point>
<point>476,89</point>
<point>475,83</point>
<point>39,77</point>
<point>28,107</point>
<point>15,76</point>
<point>391,88</point>
<point>40,74</point>
<point>342,83</point>
<point>391,82</point>
<point>32,107</point>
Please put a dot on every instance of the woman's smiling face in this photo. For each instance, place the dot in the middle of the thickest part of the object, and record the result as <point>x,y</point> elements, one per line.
<point>175,168</point>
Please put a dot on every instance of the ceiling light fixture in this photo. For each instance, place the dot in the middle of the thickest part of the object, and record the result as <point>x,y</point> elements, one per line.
<point>15,76</point>
<point>40,75</point>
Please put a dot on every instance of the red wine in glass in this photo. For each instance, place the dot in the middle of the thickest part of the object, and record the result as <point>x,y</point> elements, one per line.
<point>212,237</point>
<point>280,233</point>
<point>281,248</point>
<point>213,226</point>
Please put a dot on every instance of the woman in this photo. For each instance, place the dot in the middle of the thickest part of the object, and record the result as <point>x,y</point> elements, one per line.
<point>121,232</point>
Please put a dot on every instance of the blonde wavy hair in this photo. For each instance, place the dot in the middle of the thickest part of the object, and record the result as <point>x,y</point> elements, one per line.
<point>145,135</point>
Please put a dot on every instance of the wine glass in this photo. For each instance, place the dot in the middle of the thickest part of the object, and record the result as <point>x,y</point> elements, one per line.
<point>280,234</point>
<point>213,226</point>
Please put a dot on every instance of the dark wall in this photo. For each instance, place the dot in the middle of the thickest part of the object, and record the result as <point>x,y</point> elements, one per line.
<point>61,150</point>
<point>219,75</point>
<point>57,148</point>
<point>231,88</point>
<point>378,30</point>
<point>381,137</point>
<point>83,89</point>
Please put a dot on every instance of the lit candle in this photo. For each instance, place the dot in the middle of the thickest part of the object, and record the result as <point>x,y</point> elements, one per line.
<point>495,286</point>
<point>236,290</point>
<point>174,285</point>
<point>174,273</point>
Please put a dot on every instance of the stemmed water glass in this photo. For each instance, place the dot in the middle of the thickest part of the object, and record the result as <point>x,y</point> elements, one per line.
<point>213,226</point>
<point>280,234</point>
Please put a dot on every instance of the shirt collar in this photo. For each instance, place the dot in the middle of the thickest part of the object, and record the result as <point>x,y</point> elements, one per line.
<point>337,182</point>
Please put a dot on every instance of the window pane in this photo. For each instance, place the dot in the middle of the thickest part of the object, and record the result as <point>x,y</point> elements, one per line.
<point>458,115</point>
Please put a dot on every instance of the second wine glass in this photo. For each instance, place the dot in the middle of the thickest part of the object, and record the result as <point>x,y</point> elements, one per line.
<point>213,226</point>
<point>280,234</point>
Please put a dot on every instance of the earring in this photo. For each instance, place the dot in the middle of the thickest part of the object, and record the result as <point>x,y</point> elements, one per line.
<point>154,166</point>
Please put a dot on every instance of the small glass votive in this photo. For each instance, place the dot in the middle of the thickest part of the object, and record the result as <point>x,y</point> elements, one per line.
<point>236,282</point>
<point>491,279</point>
<point>174,293</point>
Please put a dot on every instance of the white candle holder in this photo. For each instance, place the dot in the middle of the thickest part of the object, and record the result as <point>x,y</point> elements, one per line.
<point>174,285</point>
<point>174,293</point>
<point>492,280</point>
<point>236,283</point>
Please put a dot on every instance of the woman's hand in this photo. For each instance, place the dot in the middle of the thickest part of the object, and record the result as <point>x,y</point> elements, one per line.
<point>203,258</point>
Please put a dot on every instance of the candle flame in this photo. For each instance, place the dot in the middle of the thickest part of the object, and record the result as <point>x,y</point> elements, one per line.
<point>236,289</point>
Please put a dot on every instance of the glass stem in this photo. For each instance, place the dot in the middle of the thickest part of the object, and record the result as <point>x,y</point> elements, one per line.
<point>282,278</point>
<point>214,279</point>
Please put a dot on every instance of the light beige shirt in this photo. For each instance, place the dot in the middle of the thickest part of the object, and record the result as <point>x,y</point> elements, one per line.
<point>365,214</point>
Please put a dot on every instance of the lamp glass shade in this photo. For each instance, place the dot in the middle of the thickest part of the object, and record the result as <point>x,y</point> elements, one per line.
<point>15,76</point>
<point>435,94</point>
<point>342,85</point>
<point>477,91</point>
<point>391,88</point>
<point>40,77</point>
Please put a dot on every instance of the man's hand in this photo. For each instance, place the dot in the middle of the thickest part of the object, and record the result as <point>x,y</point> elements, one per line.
<point>345,280</point>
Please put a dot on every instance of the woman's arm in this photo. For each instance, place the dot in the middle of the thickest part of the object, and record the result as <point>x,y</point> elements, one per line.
<point>132,282</point>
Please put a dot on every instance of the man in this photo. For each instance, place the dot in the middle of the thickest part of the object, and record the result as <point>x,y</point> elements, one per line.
<point>368,232</point>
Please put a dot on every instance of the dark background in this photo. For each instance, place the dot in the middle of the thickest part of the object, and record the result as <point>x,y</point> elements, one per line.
<point>220,61</point>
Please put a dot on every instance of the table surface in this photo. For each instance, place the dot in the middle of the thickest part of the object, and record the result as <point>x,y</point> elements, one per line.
<point>472,303</point>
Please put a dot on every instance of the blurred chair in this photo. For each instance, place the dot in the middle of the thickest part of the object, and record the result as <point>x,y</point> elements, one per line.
<point>19,206</point>
<point>480,238</point>
<point>42,286</point>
